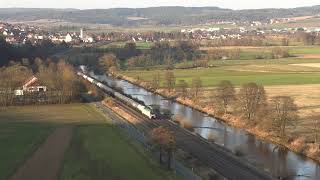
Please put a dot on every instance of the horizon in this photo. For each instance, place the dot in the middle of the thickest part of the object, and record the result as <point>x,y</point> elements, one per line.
<point>95,4</point>
<point>152,7</point>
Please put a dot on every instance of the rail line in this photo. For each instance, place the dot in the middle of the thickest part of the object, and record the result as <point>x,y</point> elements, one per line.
<point>212,155</point>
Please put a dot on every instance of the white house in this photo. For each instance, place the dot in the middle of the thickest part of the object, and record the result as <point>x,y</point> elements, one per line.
<point>31,85</point>
<point>68,38</point>
<point>89,39</point>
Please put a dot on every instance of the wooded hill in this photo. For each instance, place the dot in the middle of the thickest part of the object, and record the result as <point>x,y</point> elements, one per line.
<point>153,15</point>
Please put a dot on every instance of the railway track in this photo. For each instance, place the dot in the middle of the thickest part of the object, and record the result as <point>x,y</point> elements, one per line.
<point>212,155</point>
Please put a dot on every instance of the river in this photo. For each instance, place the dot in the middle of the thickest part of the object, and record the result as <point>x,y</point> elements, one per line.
<point>262,154</point>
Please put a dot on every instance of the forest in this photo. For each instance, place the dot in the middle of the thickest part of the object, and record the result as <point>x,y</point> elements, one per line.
<point>29,51</point>
<point>153,15</point>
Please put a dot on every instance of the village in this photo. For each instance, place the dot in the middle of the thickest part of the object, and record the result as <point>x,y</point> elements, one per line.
<point>19,34</point>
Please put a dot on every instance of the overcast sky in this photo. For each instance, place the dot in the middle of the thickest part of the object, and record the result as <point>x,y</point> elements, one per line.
<point>105,4</point>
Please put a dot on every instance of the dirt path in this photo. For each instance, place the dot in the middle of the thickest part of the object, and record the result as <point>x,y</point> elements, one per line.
<point>45,163</point>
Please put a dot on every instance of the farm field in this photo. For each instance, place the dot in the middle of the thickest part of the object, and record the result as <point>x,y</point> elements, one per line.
<point>296,77</point>
<point>307,97</point>
<point>139,44</point>
<point>51,114</point>
<point>17,141</point>
<point>266,72</point>
<point>306,22</point>
<point>251,52</point>
<point>24,129</point>
<point>99,151</point>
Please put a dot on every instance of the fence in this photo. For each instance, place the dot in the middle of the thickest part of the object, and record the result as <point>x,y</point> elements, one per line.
<point>178,167</point>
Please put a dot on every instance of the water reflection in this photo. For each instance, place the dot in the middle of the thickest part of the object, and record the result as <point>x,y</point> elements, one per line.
<point>281,163</point>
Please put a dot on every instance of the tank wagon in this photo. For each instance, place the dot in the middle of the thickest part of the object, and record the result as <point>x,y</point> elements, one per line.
<point>146,110</point>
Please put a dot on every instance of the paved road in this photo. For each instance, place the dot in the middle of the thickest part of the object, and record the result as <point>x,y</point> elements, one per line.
<point>45,163</point>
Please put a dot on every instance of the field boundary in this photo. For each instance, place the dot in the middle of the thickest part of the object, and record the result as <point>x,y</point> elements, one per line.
<point>45,162</point>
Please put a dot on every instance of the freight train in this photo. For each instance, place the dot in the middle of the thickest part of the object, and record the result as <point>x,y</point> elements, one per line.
<point>146,110</point>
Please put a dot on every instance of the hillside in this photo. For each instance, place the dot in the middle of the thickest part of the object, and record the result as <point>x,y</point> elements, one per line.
<point>153,15</point>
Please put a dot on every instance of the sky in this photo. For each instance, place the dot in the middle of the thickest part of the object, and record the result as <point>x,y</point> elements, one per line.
<point>105,4</point>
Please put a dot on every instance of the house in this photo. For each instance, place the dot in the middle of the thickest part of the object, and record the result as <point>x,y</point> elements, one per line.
<point>10,39</point>
<point>32,85</point>
<point>89,39</point>
<point>68,38</point>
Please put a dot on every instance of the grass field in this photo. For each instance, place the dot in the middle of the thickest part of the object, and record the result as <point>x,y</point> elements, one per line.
<point>17,141</point>
<point>23,129</point>
<point>103,152</point>
<point>250,53</point>
<point>139,44</point>
<point>266,72</point>
<point>295,77</point>
<point>56,114</point>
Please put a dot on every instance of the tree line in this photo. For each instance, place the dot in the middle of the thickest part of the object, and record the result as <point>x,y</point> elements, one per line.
<point>60,79</point>
<point>187,54</point>
<point>250,102</point>
<point>43,50</point>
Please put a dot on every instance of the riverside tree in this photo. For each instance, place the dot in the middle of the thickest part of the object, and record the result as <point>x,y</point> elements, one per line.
<point>252,100</point>
<point>224,95</point>
<point>284,112</point>
<point>183,88</point>
<point>169,80</point>
<point>156,81</point>
<point>316,127</point>
<point>196,87</point>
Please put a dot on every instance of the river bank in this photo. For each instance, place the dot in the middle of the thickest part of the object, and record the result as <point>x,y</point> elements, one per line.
<point>297,144</point>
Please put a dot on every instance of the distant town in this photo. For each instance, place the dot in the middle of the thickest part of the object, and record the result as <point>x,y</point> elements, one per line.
<point>20,33</point>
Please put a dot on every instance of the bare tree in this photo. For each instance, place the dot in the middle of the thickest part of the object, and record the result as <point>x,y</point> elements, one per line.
<point>224,94</point>
<point>12,78</point>
<point>38,63</point>
<point>164,140</point>
<point>196,87</point>
<point>107,61</point>
<point>169,62</point>
<point>278,52</point>
<point>156,81</point>
<point>316,127</point>
<point>284,112</point>
<point>316,130</point>
<point>169,80</point>
<point>183,88</point>
<point>252,99</point>
<point>285,42</point>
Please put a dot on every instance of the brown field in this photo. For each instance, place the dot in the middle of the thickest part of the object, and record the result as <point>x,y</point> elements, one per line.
<point>308,56</point>
<point>307,97</point>
<point>244,47</point>
<point>315,65</point>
